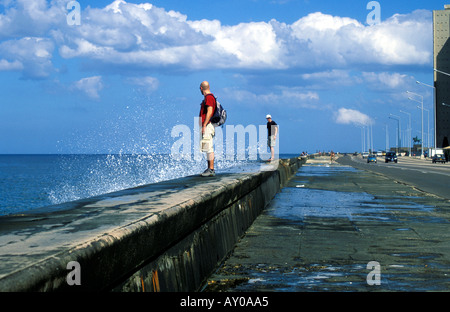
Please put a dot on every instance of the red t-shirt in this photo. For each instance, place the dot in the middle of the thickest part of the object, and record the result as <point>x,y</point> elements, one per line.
<point>208,101</point>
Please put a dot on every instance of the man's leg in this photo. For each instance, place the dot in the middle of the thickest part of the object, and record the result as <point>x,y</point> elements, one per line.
<point>210,153</point>
<point>210,171</point>
<point>210,158</point>
<point>271,144</point>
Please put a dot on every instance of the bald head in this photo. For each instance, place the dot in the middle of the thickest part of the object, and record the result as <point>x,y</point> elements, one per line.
<point>204,87</point>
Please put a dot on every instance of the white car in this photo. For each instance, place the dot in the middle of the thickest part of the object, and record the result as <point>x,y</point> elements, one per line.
<point>365,155</point>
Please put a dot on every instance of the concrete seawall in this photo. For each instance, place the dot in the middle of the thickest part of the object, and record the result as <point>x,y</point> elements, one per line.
<point>167,236</point>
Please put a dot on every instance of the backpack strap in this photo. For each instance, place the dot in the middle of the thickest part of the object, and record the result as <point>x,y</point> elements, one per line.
<point>215,101</point>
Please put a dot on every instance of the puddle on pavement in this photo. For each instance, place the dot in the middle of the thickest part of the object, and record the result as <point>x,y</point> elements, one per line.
<point>279,279</point>
<point>297,204</point>
<point>298,201</point>
<point>324,278</point>
<point>323,170</point>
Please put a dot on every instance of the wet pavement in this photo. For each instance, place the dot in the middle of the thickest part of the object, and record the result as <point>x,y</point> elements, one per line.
<point>336,228</point>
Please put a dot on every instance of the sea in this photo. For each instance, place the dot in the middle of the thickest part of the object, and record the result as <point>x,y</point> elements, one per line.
<point>28,182</point>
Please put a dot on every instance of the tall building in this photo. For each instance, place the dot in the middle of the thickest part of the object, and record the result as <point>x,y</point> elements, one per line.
<point>441,35</point>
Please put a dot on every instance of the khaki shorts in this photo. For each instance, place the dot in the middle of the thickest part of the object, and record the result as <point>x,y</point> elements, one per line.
<point>206,143</point>
<point>271,141</point>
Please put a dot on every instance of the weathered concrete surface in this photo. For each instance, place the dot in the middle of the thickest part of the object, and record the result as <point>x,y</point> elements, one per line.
<point>324,228</point>
<point>155,237</point>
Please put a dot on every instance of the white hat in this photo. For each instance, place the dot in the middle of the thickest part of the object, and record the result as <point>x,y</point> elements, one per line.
<point>268,116</point>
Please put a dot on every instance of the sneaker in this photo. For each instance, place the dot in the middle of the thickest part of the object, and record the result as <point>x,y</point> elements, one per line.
<point>209,173</point>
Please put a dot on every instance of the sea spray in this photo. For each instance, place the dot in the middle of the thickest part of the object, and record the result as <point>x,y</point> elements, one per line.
<point>101,174</point>
<point>130,147</point>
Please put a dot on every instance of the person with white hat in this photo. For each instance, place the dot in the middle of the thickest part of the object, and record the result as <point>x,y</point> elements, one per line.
<point>272,131</point>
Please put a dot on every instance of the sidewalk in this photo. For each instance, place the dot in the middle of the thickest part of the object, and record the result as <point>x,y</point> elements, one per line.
<point>334,228</point>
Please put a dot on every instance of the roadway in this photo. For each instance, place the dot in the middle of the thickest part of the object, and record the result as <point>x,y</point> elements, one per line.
<point>420,173</point>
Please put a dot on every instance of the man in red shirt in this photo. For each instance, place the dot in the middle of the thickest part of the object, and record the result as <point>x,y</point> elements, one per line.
<point>206,112</point>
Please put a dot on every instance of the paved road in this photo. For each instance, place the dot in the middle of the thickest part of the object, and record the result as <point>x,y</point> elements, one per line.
<point>328,227</point>
<point>428,177</point>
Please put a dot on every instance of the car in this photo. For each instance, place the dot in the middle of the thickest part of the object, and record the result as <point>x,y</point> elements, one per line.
<point>390,156</point>
<point>365,154</point>
<point>438,158</point>
<point>372,158</point>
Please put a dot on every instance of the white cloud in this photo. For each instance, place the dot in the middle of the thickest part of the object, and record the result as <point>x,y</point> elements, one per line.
<point>246,45</point>
<point>91,86</point>
<point>6,66</point>
<point>146,84</point>
<point>287,96</point>
<point>349,116</point>
<point>31,18</point>
<point>127,29</point>
<point>327,40</point>
<point>145,36</point>
<point>335,78</point>
<point>332,74</point>
<point>31,54</point>
<point>387,81</point>
<point>133,34</point>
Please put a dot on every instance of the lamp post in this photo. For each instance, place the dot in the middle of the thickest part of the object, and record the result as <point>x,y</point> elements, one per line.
<point>371,134</point>
<point>387,138</point>
<point>363,143</point>
<point>428,122</point>
<point>398,130</point>
<point>434,110</point>
<point>441,72</point>
<point>428,125</point>
<point>363,139</point>
<point>409,128</point>
<point>421,152</point>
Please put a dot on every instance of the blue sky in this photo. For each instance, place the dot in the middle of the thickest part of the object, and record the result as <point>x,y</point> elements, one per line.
<point>123,78</point>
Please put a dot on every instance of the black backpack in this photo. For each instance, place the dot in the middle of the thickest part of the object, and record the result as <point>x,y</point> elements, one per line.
<point>220,115</point>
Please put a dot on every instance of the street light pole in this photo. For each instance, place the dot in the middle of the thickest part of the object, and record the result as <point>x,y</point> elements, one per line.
<point>428,122</point>
<point>441,72</point>
<point>398,131</point>
<point>409,128</point>
<point>387,139</point>
<point>428,125</point>
<point>362,140</point>
<point>421,152</point>
<point>434,111</point>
